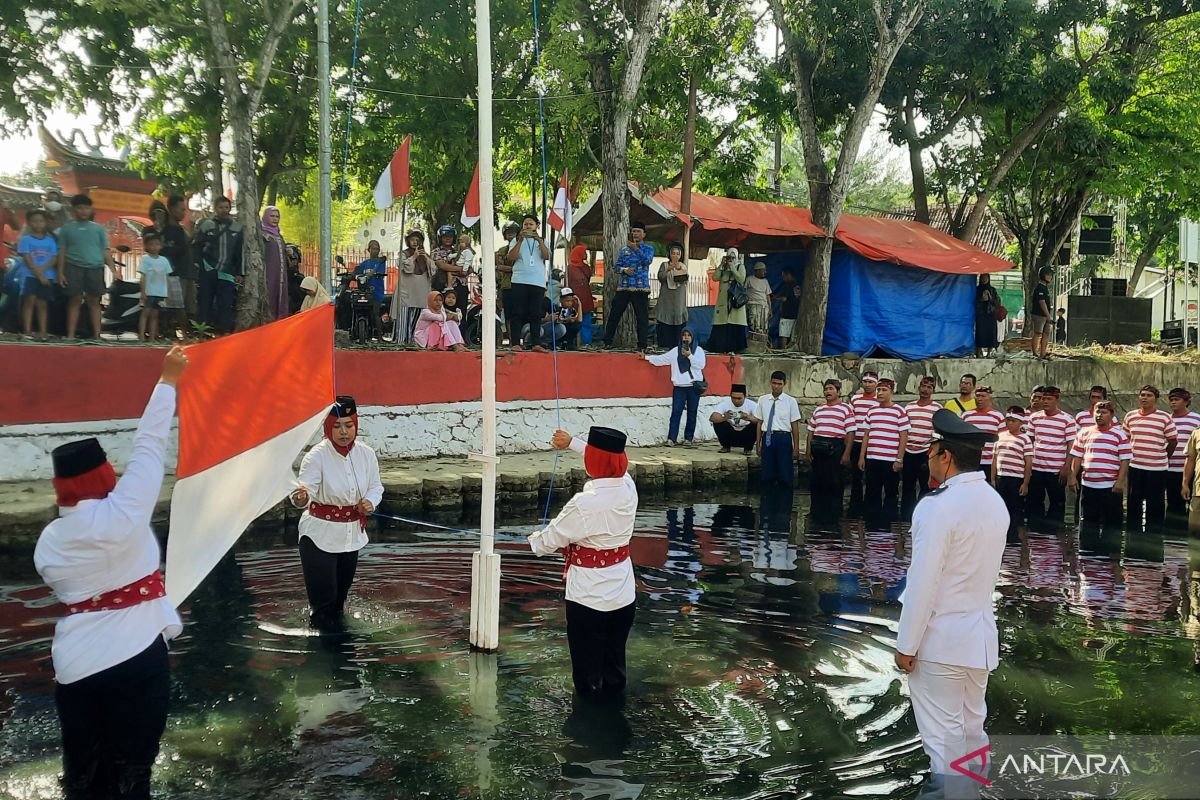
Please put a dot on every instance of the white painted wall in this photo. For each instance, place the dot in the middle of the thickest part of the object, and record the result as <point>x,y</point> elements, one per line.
<point>394,432</point>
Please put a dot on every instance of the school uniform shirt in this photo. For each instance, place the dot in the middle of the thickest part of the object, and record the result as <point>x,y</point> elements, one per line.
<point>600,517</point>
<point>787,411</point>
<point>832,421</point>
<point>1102,453</point>
<point>1183,430</point>
<point>337,480</point>
<point>155,269</point>
<point>101,545</point>
<point>1052,437</point>
<point>1149,434</point>
<point>748,408</point>
<point>990,421</point>
<point>885,424</point>
<point>920,420</point>
<point>1010,454</point>
<point>958,536</point>
<point>671,359</point>
<point>861,405</point>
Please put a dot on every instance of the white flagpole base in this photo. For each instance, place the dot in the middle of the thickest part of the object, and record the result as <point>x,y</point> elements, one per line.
<point>485,601</point>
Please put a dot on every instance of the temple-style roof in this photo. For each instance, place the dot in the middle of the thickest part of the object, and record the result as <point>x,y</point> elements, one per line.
<point>21,198</point>
<point>61,157</point>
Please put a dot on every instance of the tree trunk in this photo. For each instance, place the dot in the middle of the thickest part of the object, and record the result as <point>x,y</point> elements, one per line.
<point>920,193</point>
<point>252,296</point>
<point>1143,259</point>
<point>216,178</point>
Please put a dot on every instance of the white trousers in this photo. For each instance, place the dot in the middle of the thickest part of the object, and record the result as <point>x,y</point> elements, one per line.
<point>948,702</point>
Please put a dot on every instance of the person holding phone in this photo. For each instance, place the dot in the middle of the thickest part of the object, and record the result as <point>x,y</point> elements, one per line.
<point>633,287</point>
<point>527,255</point>
<point>686,361</point>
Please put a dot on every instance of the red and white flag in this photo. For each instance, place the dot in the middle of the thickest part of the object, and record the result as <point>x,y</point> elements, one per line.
<point>470,212</point>
<point>248,405</point>
<point>561,214</point>
<point>394,181</point>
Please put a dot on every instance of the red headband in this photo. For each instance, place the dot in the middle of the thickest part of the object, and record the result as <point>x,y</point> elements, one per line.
<point>95,484</point>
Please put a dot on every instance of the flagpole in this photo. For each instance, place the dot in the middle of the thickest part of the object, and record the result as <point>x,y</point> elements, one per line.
<point>485,564</point>
<point>325,180</point>
<point>395,308</point>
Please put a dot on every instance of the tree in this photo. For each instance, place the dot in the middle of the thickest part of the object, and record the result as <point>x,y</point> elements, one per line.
<point>809,30</point>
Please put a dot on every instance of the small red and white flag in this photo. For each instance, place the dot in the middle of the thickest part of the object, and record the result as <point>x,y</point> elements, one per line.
<point>560,217</point>
<point>248,405</point>
<point>470,212</point>
<point>394,181</point>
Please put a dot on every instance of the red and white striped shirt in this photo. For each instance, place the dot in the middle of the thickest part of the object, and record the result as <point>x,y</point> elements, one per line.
<point>920,418</point>
<point>1011,451</point>
<point>832,420</point>
<point>861,405</point>
<point>1086,419</point>
<point>990,421</point>
<point>1051,439</point>
<point>1102,453</point>
<point>885,424</point>
<point>1150,434</point>
<point>1183,430</point>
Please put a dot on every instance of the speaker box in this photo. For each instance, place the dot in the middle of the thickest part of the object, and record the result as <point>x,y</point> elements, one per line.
<point>1108,319</point>
<point>1109,287</point>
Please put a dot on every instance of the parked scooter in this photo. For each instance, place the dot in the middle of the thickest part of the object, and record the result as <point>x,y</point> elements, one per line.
<point>353,304</point>
<point>472,324</point>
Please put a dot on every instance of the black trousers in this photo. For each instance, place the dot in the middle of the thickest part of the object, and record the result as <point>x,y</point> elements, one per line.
<point>1100,506</point>
<point>730,437</point>
<point>523,306</point>
<point>641,312</point>
<point>1175,502</point>
<point>1147,495</point>
<point>914,480</point>
<point>327,580</point>
<point>856,477</point>
<point>111,726</point>
<point>667,336</point>
<point>881,493</point>
<point>826,485</point>
<point>597,643</point>
<point>1045,486</point>
<point>1010,491</point>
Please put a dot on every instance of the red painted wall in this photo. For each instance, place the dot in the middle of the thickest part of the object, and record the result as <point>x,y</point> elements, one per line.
<point>73,384</point>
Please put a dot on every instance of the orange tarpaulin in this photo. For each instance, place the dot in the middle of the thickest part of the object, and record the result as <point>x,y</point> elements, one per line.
<point>915,245</point>
<point>748,216</point>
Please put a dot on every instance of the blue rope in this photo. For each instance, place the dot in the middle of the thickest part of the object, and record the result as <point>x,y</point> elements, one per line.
<point>349,109</point>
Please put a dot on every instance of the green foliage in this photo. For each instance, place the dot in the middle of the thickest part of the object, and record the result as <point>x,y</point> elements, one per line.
<point>301,222</point>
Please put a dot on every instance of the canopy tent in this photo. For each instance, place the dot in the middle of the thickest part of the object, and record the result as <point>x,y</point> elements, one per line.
<point>913,244</point>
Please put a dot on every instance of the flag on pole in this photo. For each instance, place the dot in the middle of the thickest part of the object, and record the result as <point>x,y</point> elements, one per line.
<point>248,405</point>
<point>561,214</point>
<point>470,212</point>
<point>394,182</point>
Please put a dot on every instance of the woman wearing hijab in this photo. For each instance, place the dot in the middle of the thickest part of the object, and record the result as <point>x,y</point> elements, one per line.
<point>987,300</point>
<point>437,327</point>
<point>274,264</point>
<point>729,321</point>
<point>686,361</point>
<point>670,312</point>
<point>593,531</point>
<point>579,279</point>
<point>339,489</point>
<point>416,274</point>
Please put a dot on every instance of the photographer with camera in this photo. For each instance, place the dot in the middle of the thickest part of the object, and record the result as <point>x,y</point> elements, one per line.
<point>633,287</point>
<point>729,315</point>
<point>413,286</point>
<point>527,255</point>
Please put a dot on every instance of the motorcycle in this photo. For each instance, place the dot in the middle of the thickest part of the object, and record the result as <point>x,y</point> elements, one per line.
<point>353,305</point>
<point>124,303</point>
<point>472,324</point>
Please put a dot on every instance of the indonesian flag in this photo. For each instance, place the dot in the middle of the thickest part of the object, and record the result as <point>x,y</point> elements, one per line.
<point>394,182</point>
<point>248,405</point>
<point>560,215</point>
<point>470,212</point>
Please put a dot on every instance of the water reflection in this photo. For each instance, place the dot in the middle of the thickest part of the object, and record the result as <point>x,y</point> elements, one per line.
<point>760,665</point>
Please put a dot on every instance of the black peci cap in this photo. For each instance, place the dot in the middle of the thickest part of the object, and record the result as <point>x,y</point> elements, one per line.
<point>610,440</point>
<point>948,426</point>
<point>343,406</point>
<point>75,458</point>
<point>737,387</point>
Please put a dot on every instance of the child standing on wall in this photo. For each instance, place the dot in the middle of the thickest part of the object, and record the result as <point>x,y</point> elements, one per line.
<point>154,270</point>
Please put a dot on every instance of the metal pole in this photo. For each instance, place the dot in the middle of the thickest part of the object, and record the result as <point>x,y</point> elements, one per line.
<point>485,564</point>
<point>323,143</point>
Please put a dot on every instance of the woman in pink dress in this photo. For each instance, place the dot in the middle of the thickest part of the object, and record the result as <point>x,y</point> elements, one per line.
<point>437,328</point>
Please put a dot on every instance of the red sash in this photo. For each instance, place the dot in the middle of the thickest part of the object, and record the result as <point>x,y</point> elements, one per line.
<point>140,591</point>
<point>338,513</point>
<point>590,558</point>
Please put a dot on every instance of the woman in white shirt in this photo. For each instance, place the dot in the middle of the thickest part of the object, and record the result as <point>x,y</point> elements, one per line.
<point>339,489</point>
<point>594,529</point>
<point>687,362</point>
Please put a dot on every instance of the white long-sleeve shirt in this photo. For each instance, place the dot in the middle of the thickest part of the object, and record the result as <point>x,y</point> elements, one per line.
<point>337,480</point>
<point>671,358</point>
<point>601,517</point>
<point>101,545</point>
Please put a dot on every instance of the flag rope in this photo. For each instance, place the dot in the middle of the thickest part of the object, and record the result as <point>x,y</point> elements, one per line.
<point>350,101</point>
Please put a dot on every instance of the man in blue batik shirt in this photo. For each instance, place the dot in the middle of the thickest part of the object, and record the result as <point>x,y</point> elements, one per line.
<point>633,286</point>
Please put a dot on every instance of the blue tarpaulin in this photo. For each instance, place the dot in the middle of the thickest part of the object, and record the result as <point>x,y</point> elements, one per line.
<point>877,308</point>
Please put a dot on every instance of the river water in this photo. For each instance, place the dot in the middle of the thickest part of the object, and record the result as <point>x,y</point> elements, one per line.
<point>760,665</point>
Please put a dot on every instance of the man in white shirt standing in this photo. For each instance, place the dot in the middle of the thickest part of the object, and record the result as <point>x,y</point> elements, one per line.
<point>947,642</point>
<point>733,421</point>
<point>778,445</point>
<point>101,559</point>
<point>594,529</point>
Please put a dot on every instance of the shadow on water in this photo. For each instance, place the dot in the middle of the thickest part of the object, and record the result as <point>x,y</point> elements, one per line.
<point>760,664</point>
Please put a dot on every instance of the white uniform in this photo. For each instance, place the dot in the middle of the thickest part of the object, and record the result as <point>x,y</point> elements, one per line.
<point>337,480</point>
<point>948,621</point>
<point>600,516</point>
<point>101,545</point>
